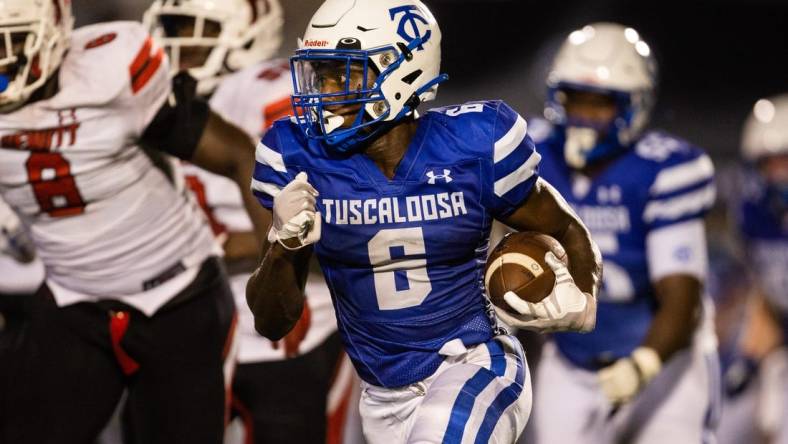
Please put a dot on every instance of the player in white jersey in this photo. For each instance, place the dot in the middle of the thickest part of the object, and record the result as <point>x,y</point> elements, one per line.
<point>648,372</point>
<point>135,297</point>
<point>231,60</point>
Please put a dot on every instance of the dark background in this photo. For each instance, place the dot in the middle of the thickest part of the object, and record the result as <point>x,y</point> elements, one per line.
<point>716,58</point>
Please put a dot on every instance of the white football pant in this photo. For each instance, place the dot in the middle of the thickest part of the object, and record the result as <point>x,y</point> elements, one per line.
<point>477,395</point>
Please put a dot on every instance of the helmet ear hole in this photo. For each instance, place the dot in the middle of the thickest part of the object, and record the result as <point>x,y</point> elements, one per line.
<point>410,78</point>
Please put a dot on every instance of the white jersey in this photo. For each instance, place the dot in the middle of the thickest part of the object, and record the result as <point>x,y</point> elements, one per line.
<point>106,223</point>
<point>253,99</point>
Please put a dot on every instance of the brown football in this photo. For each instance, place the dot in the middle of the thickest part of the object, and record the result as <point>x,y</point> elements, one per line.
<point>517,264</point>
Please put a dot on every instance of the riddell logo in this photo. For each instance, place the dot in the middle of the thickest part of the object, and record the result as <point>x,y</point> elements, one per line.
<point>316,43</point>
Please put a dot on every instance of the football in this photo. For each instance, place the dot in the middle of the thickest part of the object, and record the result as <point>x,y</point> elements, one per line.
<point>517,264</point>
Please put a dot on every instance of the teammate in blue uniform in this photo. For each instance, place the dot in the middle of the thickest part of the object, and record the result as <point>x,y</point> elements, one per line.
<point>762,217</point>
<point>646,373</point>
<point>398,209</point>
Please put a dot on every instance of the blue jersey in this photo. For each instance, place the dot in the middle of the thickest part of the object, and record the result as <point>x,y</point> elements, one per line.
<point>404,257</point>
<point>765,232</point>
<point>659,182</point>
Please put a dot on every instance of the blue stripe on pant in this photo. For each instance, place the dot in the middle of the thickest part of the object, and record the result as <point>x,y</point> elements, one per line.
<point>463,405</point>
<point>505,398</point>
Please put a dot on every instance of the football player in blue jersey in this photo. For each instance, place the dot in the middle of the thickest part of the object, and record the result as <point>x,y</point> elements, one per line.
<point>762,218</point>
<point>398,207</point>
<point>647,372</point>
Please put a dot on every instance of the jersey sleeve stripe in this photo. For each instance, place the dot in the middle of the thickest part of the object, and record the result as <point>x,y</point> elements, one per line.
<point>145,66</point>
<point>269,157</point>
<point>518,176</point>
<point>680,206</point>
<point>271,189</point>
<point>683,175</point>
<point>141,58</point>
<point>511,140</point>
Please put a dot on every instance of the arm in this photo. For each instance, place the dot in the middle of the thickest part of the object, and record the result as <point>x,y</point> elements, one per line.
<point>671,330</point>
<point>186,128</point>
<point>545,211</point>
<point>241,247</point>
<point>677,317</point>
<point>226,150</point>
<point>677,266</point>
<point>762,333</point>
<point>275,291</point>
<point>569,306</point>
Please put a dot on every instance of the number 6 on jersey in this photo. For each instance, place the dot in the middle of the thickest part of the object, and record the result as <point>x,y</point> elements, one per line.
<point>399,265</point>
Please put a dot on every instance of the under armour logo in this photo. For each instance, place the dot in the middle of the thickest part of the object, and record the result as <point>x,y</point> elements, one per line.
<point>609,195</point>
<point>683,254</point>
<point>432,177</point>
<point>408,29</point>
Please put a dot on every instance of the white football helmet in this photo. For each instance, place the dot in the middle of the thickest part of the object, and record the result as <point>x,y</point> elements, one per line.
<point>606,58</point>
<point>35,34</point>
<point>396,40</point>
<point>766,130</point>
<point>765,135</point>
<point>249,31</point>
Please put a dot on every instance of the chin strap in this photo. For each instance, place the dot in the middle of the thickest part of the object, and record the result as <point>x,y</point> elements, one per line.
<point>582,145</point>
<point>579,143</point>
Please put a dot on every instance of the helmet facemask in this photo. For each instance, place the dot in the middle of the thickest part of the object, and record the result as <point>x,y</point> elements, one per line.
<point>394,44</point>
<point>588,141</point>
<point>30,52</point>
<point>211,40</point>
<point>773,170</point>
<point>362,76</point>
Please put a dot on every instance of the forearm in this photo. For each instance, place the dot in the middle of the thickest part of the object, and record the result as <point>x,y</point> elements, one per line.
<point>189,130</point>
<point>241,247</point>
<point>762,331</point>
<point>547,212</point>
<point>677,317</point>
<point>226,150</point>
<point>274,292</point>
<point>585,261</point>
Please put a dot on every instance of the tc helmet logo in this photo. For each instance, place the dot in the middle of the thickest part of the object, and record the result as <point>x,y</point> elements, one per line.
<point>432,177</point>
<point>408,27</point>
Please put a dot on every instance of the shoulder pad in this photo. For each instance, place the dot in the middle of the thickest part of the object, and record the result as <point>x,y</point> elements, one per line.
<point>539,129</point>
<point>662,148</point>
<point>254,97</point>
<point>481,122</point>
<point>678,166</point>
<point>263,72</point>
<point>105,60</point>
<point>469,109</point>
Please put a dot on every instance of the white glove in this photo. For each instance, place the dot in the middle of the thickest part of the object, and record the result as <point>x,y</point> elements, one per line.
<point>625,378</point>
<point>13,238</point>
<point>567,308</point>
<point>296,221</point>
